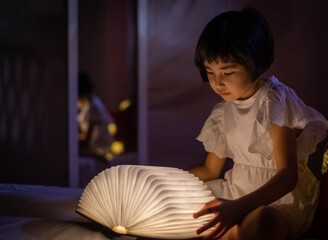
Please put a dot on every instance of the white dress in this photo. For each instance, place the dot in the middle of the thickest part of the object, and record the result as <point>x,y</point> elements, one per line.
<point>230,131</point>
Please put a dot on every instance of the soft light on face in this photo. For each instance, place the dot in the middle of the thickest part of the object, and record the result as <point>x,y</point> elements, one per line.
<point>230,80</point>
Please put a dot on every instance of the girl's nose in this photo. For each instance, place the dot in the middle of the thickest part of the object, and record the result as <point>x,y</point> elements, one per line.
<point>219,81</point>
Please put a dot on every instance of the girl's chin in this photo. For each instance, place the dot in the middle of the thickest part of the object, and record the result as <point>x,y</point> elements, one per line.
<point>227,97</point>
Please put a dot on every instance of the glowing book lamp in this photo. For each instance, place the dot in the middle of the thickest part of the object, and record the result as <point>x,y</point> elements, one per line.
<point>146,201</point>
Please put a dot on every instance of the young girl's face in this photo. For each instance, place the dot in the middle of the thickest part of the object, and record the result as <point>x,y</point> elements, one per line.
<point>230,80</point>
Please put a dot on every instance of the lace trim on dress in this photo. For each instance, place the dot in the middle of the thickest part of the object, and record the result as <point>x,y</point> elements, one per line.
<point>212,134</point>
<point>283,107</point>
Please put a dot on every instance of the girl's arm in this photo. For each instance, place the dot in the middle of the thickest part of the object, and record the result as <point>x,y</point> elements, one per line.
<point>211,169</point>
<point>284,181</point>
<point>230,212</point>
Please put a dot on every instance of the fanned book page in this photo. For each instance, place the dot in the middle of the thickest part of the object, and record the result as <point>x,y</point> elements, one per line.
<point>146,201</point>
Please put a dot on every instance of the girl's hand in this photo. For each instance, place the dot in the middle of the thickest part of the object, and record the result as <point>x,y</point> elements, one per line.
<point>227,214</point>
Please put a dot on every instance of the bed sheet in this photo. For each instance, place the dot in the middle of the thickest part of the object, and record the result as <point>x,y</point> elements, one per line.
<point>31,212</point>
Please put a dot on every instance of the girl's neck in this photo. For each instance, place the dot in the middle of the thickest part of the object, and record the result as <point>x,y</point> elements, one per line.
<point>256,85</point>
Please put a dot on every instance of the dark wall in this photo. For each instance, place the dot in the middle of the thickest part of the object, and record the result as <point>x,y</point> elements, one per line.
<point>300,31</point>
<point>108,52</point>
<point>33,92</point>
<point>108,48</point>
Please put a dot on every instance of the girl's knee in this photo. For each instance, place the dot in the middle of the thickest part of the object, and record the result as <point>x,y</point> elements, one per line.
<point>268,215</point>
<point>264,223</point>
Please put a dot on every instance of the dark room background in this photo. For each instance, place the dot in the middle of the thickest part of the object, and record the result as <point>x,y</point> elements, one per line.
<point>138,50</point>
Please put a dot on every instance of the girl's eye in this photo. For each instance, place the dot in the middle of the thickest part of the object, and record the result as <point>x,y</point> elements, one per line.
<point>209,73</point>
<point>228,74</point>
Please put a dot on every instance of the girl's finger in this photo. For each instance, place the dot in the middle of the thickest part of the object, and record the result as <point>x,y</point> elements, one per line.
<point>215,234</point>
<point>212,202</point>
<point>212,223</point>
<point>221,233</point>
<point>205,211</point>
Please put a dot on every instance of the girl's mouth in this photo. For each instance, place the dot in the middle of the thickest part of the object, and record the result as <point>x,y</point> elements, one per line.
<point>223,93</point>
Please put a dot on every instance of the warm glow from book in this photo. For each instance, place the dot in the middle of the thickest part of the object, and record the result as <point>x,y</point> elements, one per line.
<point>120,229</point>
<point>147,201</point>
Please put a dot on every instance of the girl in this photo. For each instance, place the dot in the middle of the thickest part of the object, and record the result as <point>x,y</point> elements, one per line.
<point>270,193</point>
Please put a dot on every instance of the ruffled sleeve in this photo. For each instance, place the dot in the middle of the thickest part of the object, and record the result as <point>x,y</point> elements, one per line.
<point>283,107</point>
<point>212,134</point>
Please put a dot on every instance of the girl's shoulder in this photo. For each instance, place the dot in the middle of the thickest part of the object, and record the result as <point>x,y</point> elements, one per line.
<point>274,85</point>
<point>276,91</point>
<point>216,115</point>
<point>281,106</point>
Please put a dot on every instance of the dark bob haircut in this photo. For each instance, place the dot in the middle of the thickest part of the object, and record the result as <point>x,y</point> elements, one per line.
<point>243,37</point>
